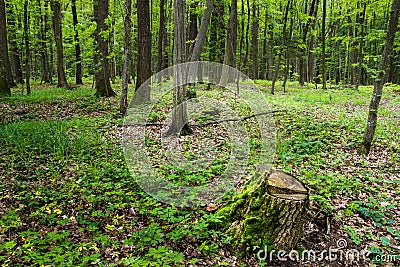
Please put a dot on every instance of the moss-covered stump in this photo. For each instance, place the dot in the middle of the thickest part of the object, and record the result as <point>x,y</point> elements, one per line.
<point>269,211</point>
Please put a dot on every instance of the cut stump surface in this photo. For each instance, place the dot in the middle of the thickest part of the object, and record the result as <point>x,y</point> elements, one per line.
<point>271,210</point>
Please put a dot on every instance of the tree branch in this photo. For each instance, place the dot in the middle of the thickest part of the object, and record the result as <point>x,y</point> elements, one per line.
<point>211,122</point>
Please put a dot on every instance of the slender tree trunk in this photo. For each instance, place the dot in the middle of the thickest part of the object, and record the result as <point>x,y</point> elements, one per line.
<point>230,44</point>
<point>310,54</point>
<point>241,37</point>
<point>360,52</point>
<point>255,41</point>
<point>192,30</point>
<point>264,50</point>
<point>380,80</point>
<point>78,58</point>
<point>113,73</point>
<point>201,35</point>
<point>278,63</point>
<point>127,45</point>
<point>287,57</point>
<point>46,69</point>
<point>56,10</point>
<point>27,49</point>
<point>162,35</point>
<point>10,78</point>
<point>246,57</point>
<point>303,73</point>
<point>200,39</point>
<point>323,33</point>
<point>144,49</point>
<point>270,53</point>
<point>102,71</point>
<point>4,83</point>
<point>14,50</point>
<point>179,113</point>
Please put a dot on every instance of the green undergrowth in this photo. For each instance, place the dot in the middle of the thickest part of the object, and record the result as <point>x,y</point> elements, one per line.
<point>67,197</point>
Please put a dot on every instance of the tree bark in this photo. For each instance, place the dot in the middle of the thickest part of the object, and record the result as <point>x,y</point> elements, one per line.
<point>360,50</point>
<point>264,49</point>
<point>230,45</point>
<point>47,76</point>
<point>270,74</point>
<point>56,10</point>
<point>14,50</point>
<point>380,80</point>
<point>303,73</point>
<point>192,30</point>
<point>144,50</point>
<point>323,33</point>
<point>10,78</point>
<point>278,63</point>
<point>4,83</point>
<point>179,123</point>
<point>310,53</point>
<point>27,49</point>
<point>199,40</point>
<point>201,35</point>
<point>162,42</point>
<point>78,58</point>
<point>271,210</point>
<point>102,72</point>
<point>254,40</point>
<point>127,45</point>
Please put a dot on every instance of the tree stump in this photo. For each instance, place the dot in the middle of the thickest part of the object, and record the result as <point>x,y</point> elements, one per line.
<point>269,211</point>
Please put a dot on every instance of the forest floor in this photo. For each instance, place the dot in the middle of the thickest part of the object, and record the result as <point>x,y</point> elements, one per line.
<point>67,197</point>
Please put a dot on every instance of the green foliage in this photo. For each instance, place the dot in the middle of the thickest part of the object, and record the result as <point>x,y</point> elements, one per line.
<point>353,234</point>
<point>71,201</point>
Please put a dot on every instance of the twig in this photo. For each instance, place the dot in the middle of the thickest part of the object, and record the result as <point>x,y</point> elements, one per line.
<point>210,122</point>
<point>244,118</point>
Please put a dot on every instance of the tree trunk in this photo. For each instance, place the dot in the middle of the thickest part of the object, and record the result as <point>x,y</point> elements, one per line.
<point>230,45</point>
<point>271,210</point>
<point>179,113</point>
<point>162,41</point>
<point>254,40</point>
<point>102,72</point>
<point>144,50</point>
<point>4,83</point>
<point>303,72</point>
<point>310,54</point>
<point>380,80</point>
<point>360,51</point>
<point>27,49</point>
<point>270,74</point>
<point>46,69</point>
<point>14,50</point>
<point>199,40</point>
<point>246,38</point>
<point>56,10</point>
<point>264,49</point>
<point>78,59</point>
<point>192,30</point>
<point>9,75</point>
<point>201,35</point>
<point>323,44</point>
<point>113,73</point>
<point>127,45</point>
<point>278,63</point>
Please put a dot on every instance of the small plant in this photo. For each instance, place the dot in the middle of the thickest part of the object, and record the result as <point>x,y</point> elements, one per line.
<point>208,248</point>
<point>354,235</point>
